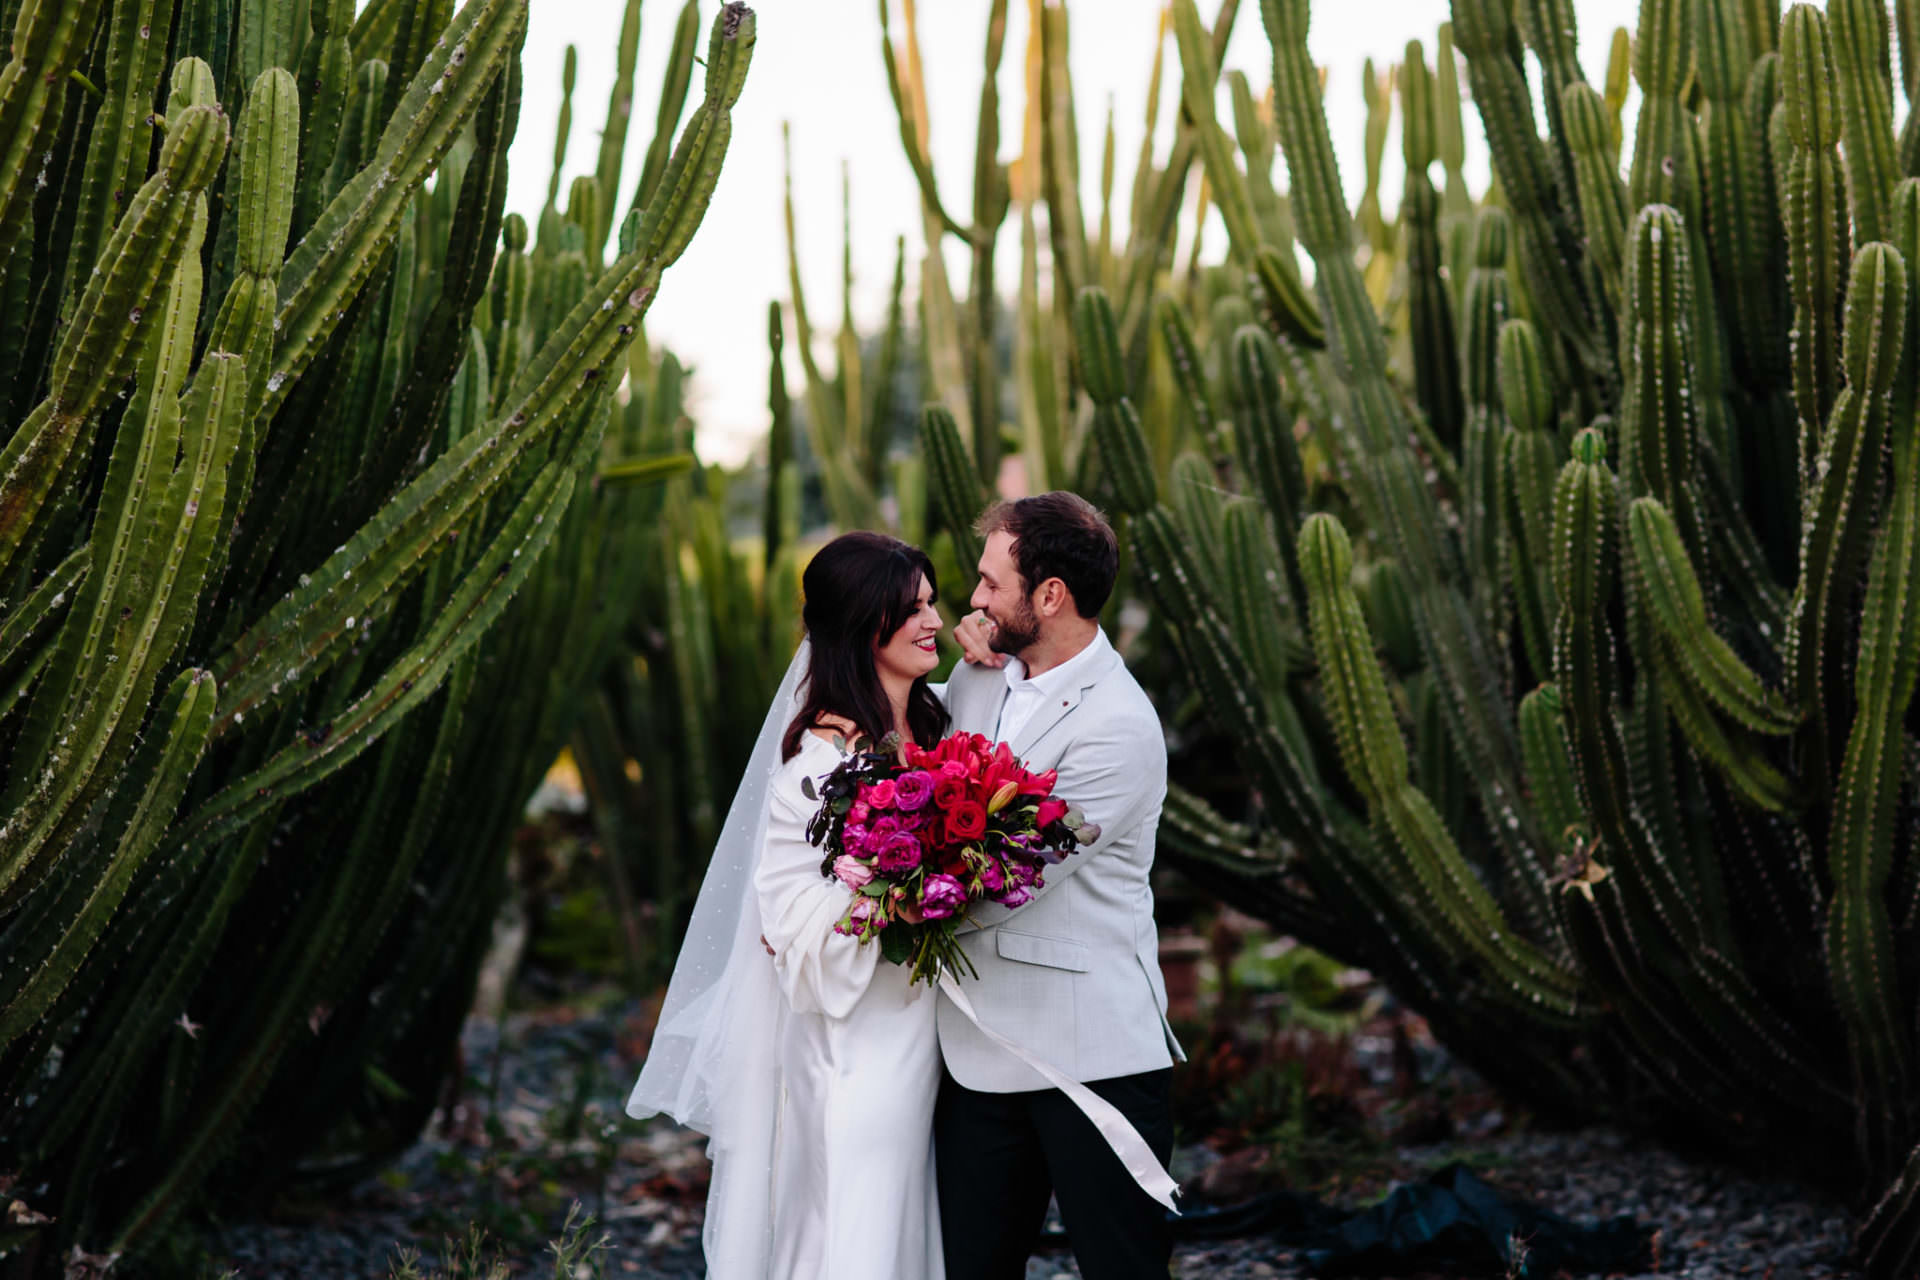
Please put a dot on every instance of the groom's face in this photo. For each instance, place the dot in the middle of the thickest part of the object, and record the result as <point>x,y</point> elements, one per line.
<point>1002,596</point>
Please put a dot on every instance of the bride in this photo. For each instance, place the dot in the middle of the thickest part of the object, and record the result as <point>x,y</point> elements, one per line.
<point>815,1072</point>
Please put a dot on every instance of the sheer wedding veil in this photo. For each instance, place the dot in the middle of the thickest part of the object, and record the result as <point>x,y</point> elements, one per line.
<point>712,1063</point>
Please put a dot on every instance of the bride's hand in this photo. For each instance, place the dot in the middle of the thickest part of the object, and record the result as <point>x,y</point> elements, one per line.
<point>907,911</point>
<point>974,634</point>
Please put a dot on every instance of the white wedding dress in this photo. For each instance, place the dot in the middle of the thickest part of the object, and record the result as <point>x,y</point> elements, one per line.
<point>813,1074</point>
<point>858,1062</point>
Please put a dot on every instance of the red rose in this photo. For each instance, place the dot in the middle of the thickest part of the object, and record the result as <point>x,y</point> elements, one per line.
<point>1051,811</point>
<point>948,792</point>
<point>966,820</point>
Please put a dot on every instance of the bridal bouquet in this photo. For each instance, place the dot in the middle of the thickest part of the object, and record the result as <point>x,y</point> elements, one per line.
<point>939,829</point>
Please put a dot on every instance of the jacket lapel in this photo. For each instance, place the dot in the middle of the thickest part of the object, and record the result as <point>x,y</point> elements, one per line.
<point>1057,709</point>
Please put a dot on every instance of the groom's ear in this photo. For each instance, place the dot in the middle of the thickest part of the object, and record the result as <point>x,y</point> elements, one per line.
<point>1052,599</point>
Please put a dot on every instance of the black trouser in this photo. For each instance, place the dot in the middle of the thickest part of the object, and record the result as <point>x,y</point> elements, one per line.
<point>1000,1155</point>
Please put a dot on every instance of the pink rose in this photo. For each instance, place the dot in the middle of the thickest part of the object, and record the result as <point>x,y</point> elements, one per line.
<point>955,770</point>
<point>941,896</point>
<point>859,812</point>
<point>879,794</point>
<point>852,872</point>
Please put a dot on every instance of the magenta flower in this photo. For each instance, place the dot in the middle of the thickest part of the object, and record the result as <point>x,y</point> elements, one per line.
<point>852,872</point>
<point>941,896</point>
<point>883,828</point>
<point>992,879</point>
<point>859,812</point>
<point>1014,895</point>
<point>899,852</point>
<point>879,794</point>
<point>854,838</point>
<point>913,789</point>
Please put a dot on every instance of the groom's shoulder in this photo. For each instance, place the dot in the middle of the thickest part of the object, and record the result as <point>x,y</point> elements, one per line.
<point>1122,700</point>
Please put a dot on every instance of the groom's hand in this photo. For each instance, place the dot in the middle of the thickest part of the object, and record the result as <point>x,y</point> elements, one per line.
<point>975,635</point>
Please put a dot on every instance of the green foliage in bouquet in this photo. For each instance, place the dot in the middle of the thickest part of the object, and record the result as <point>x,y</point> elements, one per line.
<point>306,563</point>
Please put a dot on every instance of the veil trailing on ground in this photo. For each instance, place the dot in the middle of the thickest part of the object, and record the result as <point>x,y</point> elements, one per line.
<point>712,1064</point>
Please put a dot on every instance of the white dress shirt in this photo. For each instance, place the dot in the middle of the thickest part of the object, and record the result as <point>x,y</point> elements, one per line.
<point>1025,696</point>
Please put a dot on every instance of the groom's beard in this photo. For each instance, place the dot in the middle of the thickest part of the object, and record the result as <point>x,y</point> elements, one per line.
<point>1012,635</point>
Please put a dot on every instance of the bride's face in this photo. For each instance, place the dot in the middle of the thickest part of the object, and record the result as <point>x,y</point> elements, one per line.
<point>910,652</point>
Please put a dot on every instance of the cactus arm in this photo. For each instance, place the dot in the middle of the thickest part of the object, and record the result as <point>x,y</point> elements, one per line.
<point>1585,540</point>
<point>1859,30</point>
<point>613,137</point>
<point>347,242</point>
<point>42,607</point>
<point>1845,481</point>
<point>1543,743</point>
<point>327,70</point>
<point>122,136</point>
<point>912,128</point>
<point>1454,644</point>
<point>1199,74</point>
<point>1436,360</point>
<point>1680,612</point>
<point>158,778</point>
<point>954,485</point>
<point>1264,432</point>
<point>1742,224</point>
<point>1816,220</point>
<point>1603,194</point>
<point>483,592</point>
<point>49,39</point>
<point>94,353</point>
<point>1548,247</point>
<point>1116,424</point>
<point>673,100</point>
<point>1489,303</point>
<point>1303,809</point>
<point>846,487</point>
<point>1528,463</point>
<point>422,398</point>
<point>1376,762</point>
<point>1859,931</point>
<point>779,437</point>
<point>1190,375</point>
<point>387,551</point>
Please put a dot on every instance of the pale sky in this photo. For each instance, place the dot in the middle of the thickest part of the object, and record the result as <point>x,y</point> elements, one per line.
<point>817,65</point>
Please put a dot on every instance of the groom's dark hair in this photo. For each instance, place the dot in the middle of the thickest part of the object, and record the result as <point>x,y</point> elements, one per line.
<point>1059,535</point>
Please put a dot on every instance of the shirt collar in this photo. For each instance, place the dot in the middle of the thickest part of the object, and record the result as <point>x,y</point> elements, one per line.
<point>1060,678</point>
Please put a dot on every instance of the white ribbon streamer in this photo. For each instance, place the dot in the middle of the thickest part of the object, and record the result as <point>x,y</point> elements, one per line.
<point>1120,1135</point>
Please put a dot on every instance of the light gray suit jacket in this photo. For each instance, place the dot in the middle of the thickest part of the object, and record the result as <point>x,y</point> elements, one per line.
<point>1074,975</point>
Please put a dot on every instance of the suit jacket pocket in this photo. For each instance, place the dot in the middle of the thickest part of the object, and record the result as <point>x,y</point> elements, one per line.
<point>1034,948</point>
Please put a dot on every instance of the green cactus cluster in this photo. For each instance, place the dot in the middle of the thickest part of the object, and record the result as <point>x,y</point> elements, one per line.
<point>328,497</point>
<point>1544,573</point>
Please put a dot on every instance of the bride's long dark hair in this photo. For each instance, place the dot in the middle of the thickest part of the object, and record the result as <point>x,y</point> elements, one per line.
<point>860,589</point>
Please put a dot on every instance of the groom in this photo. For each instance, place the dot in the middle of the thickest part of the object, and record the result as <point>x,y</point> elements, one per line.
<point>1074,975</point>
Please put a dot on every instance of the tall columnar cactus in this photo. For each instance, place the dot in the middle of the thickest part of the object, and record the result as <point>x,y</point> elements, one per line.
<point>301,466</point>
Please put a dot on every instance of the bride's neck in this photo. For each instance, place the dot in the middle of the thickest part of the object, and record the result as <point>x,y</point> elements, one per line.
<point>899,693</point>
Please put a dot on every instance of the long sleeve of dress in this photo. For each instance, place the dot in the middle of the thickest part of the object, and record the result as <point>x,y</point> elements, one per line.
<point>821,971</point>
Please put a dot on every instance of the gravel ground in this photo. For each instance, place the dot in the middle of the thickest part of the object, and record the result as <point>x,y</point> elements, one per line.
<point>558,1135</point>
